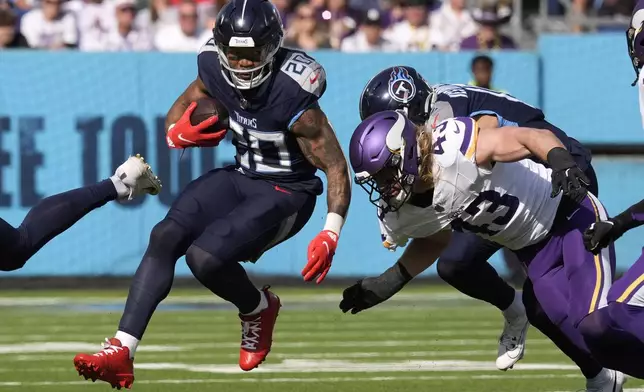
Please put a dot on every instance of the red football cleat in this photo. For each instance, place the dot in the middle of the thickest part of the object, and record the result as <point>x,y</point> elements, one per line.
<point>257,333</point>
<point>112,365</point>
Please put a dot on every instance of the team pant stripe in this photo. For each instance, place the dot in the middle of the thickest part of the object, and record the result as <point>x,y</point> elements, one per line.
<point>633,294</point>
<point>602,263</point>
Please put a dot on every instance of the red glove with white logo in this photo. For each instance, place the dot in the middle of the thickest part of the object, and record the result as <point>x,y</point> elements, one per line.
<point>182,134</point>
<point>320,255</point>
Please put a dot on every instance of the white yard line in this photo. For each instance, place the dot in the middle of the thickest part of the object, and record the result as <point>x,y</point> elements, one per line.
<point>306,380</point>
<point>345,355</point>
<point>211,299</point>
<point>339,366</point>
<point>47,347</point>
<point>291,335</point>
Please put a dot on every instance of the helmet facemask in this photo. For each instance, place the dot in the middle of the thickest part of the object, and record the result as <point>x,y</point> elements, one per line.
<point>390,188</point>
<point>243,48</point>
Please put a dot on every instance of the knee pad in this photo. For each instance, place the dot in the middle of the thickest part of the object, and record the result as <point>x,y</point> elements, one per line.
<point>593,327</point>
<point>448,269</point>
<point>203,264</point>
<point>170,238</point>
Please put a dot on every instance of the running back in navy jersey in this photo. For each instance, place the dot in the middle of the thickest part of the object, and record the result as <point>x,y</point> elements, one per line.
<point>455,100</point>
<point>261,122</point>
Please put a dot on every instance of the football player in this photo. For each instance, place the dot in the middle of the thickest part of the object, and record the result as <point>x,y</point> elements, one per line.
<point>55,214</point>
<point>478,180</point>
<point>236,213</point>
<point>635,42</point>
<point>626,297</point>
<point>464,264</point>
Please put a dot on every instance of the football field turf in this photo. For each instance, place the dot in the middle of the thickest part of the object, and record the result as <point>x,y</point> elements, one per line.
<point>424,339</point>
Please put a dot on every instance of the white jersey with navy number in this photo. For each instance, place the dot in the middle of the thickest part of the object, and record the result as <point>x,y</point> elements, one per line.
<point>508,203</point>
<point>261,122</point>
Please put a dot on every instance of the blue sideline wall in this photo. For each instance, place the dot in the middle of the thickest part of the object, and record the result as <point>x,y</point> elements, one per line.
<point>68,119</point>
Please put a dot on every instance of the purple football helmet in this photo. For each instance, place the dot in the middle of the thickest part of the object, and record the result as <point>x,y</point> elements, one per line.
<point>635,42</point>
<point>384,156</point>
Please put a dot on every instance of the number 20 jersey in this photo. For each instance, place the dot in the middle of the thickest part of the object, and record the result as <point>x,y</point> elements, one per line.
<point>266,148</point>
<point>509,204</point>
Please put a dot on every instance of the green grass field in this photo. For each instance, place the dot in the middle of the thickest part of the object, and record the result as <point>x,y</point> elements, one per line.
<point>428,340</point>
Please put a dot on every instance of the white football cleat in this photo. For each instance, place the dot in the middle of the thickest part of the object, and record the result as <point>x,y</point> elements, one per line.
<point>606,381</point>
<point>135,178</point>
<point>512,340</point>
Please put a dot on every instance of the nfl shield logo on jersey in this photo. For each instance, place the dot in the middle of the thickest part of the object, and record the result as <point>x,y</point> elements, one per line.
<point>401,85</point>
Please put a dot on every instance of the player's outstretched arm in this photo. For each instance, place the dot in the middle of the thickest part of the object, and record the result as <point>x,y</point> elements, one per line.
<point>600,234</point>
<point>194,92</point>
<point>511,144</point>
<point>419,255</point>
<point>319,144</point>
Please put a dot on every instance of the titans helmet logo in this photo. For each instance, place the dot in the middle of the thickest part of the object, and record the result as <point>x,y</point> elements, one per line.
<point>401,85</point>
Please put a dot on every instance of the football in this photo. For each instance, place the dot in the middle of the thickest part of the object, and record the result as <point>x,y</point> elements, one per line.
<point>208,107</point>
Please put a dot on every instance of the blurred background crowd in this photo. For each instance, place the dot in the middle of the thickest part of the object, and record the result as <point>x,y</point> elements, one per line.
<point>346,25</point>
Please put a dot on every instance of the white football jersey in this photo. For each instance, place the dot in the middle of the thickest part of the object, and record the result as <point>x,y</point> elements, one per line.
<point>509,204</point>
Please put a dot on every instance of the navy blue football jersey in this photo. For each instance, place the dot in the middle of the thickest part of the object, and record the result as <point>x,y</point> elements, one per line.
<point>261,120</point>
<point>459,100</point>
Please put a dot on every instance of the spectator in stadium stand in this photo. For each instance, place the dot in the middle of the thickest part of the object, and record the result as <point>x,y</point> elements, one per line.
<point>157,14</point>
<point>10,38</point>
<point>412,33</point>
<point>306,31</point>
<point>450,24</point>
<point>95,20</point>
<point>126,36</point>
<point>50,27</point>
<point>482,70</point>
<point>284,9</point>
<point>342,21</point>
<point>369,37</point>
<point>185,36</point>
<point>490,16</point>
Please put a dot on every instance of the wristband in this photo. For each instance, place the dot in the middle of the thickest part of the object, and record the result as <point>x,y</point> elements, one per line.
<point>334,222</point>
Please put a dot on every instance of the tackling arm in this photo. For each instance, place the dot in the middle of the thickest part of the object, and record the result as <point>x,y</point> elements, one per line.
<point>600,234</point>
<point>418,256</point>
<point>511,144</point>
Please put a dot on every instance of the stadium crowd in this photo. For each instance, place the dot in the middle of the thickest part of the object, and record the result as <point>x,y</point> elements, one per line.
<point>347,25</point>
<point>183,25</point>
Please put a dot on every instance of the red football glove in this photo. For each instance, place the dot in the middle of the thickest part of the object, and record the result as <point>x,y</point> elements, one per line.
<point>184,135</point>
<point>320,255</point>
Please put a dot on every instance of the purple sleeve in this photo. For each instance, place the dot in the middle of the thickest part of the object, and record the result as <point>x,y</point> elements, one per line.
<point>638,6</point>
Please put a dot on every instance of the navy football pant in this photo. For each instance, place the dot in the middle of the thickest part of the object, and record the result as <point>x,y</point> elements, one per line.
<point>220,219</point>
<point>47,219</point>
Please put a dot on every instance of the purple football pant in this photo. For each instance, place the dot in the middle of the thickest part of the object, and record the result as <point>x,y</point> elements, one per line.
<point>575,289</point>
<point>615,333</point>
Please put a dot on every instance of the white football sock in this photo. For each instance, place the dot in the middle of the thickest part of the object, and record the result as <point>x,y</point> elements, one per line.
<point>121,189</point>
<point>516,308</point>
<point>263,304</point>
<point>128,341</point>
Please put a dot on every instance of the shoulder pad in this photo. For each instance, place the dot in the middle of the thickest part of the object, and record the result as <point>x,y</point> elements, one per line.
<point>441,111</point>
<point>308,73</point>
<point>454,137</point>
<point>209,46</point>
